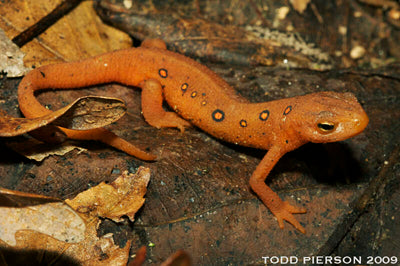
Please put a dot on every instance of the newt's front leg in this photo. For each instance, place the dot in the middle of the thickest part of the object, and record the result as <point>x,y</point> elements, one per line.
<point>281,209</point>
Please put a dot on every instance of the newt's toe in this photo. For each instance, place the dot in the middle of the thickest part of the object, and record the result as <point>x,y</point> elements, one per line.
<point>285,213</point>
<point>293,209</point>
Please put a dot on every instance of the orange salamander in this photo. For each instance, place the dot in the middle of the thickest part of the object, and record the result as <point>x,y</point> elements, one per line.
<point>200,97</point>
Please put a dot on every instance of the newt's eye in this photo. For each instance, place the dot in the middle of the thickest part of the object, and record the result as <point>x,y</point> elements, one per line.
<point>326,127</point>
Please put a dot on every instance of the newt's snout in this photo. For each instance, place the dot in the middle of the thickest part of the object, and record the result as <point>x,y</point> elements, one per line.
<point>360,121</point>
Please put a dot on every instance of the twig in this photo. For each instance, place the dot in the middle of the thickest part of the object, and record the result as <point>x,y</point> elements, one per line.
<point>44,23</point>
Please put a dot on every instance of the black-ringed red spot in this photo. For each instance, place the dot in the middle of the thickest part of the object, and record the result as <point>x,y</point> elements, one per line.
<point>184,87</point>
<point>218,115</point>
<point>194,94</point>
<point>287,110</point>
<point>203,103</point>
<point>163,73</point>
<point>264,115</point>
<point>243,123</point>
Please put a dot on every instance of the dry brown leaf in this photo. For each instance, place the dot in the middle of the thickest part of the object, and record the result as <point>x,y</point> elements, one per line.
<point>91,112</point>
<point>55,219</point>
<point>12,198</point>
<point>300,5</point>
<point>79,34</point>
<point>92,250</point>
<point>38,151</point>
<point>85,113</point>
<point>123,197</point>
<point>11,57</point>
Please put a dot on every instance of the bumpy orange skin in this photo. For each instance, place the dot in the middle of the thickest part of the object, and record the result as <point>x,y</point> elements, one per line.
<point>200,97</point>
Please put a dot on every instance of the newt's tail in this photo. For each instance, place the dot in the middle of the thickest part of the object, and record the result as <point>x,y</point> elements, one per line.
<point>88,72</point>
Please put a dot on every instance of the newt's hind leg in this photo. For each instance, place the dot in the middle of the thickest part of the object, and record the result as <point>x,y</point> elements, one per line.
<point>153,112</point>
<point>108,137</point>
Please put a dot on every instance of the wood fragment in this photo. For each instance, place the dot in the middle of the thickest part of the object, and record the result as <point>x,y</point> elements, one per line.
<point>43,24</point>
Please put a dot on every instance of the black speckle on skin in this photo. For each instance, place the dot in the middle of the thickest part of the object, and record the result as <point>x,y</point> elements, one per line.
<point>43,74</point>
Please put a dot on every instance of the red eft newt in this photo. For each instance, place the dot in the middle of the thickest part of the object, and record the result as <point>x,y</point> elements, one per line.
<point>200,97</point>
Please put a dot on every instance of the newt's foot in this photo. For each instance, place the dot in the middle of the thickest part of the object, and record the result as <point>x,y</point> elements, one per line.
<point>173,120</point>
<point>169,119</point>
<point>285,213</point>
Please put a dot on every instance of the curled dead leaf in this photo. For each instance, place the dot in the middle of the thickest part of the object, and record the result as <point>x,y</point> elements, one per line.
<point>92,112</point>
<point>85,113</point>
<point>123,197</point>
<point>91,249</point>
<point>38,151</point>
<point>13,198</point>
<point>40,214</point>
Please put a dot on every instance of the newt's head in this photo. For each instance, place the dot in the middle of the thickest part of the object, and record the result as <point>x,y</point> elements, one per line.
<point>331,116</point>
